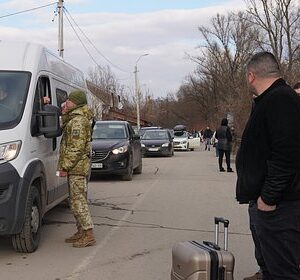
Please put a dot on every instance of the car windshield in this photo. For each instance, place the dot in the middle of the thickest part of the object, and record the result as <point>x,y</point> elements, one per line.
<point>155,135</point>
<point>13,93</point>
<point>109,131</point>
<point>180,134</point>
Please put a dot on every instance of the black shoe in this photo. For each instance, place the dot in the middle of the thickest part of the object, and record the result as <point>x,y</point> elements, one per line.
<point>222,169</point>
<point>229,170</point>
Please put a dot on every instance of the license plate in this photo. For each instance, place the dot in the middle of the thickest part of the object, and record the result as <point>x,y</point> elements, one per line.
<point>153,149</point>
<point>97,165</point>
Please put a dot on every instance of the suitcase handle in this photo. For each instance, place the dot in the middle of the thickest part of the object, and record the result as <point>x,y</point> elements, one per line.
<point>221,220</point>
<point>212,245</point>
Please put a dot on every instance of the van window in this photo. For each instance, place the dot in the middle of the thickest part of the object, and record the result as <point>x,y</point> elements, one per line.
<point>42,90</point>
<point>61,97</point>
<point>13,94</point>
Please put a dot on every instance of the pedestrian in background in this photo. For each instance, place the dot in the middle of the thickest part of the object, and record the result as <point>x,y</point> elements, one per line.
<point>224,137</point>
<point>207,134</point>
<point>74,162</point>
<point>268,172</point>
<point>214,142</point>
<point>296,88</point>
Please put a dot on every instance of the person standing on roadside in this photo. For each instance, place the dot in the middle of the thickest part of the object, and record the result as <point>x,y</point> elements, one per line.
<point>224,137</point>
<point>74,162</point>
<point>268,169</point>
<point>207,134</point>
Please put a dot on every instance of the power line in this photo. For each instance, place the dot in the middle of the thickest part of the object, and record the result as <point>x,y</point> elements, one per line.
<point>98,51</point>
<point>28,10</point>
<point>82,43</point>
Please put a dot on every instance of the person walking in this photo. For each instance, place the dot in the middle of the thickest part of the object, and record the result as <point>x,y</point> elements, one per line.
<point>214,142</point>
<point>268,172</point>
<point>207,134</point>
<point>224,137</point>
<point>74,162</point>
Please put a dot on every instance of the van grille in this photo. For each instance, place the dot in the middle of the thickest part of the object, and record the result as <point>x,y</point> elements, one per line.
<point>99,155</point>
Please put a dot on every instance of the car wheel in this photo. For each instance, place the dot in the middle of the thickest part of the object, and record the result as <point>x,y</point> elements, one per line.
<point>128,175</point>
<point>139,169</point>
<point>192,149</point>
<point>28,239</point>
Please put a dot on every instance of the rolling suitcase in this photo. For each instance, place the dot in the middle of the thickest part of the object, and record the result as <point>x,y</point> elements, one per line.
<point>195,260</point>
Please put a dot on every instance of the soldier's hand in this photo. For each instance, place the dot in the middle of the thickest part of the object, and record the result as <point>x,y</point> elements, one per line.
<point>62,173</point>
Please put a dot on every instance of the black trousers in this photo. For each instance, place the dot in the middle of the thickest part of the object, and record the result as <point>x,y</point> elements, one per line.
<point>227,156</point>
<point>253,221</point>
<point>278,235</point>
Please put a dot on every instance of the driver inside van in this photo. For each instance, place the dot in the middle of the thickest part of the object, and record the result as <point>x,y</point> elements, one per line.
<point>3,93</point>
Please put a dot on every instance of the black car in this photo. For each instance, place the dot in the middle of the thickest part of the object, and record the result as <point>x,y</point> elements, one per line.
<point>145,128</point>
<point>157,142</point>
<point>116,149</point>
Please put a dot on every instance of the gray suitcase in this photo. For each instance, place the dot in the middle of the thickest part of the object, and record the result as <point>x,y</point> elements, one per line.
<point>196,260</point>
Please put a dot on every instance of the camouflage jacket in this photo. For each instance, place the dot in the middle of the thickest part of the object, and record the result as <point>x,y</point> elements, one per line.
<point>74,154</point>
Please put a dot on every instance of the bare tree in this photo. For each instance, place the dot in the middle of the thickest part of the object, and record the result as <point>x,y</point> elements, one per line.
<point>279,22</point>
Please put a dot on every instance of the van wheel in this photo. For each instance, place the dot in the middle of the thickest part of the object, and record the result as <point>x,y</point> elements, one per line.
<point>128,175</point>
<point>139,169</point>
<point>28,239</point>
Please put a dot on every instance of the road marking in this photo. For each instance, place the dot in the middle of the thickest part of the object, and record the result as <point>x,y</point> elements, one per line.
<point>82,267</point>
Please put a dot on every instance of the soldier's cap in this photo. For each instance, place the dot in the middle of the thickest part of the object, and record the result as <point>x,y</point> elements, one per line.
<point>78,97</point>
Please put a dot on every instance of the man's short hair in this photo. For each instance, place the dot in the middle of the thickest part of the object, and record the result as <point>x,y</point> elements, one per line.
<point>264,64</point>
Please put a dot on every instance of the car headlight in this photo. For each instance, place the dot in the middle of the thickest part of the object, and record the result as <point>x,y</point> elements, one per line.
<point>165,145</point>
<point>143,145</point>
<point>10,151</point>
<point>183,142</point>
<point>120,150</point>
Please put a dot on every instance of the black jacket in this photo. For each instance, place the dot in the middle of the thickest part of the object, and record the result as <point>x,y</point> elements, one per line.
<point>207,133</point>
<point>268,160</point>
<point>223,134</point>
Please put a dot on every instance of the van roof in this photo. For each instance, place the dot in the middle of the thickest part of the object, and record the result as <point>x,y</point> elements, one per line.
<point>31,57</point>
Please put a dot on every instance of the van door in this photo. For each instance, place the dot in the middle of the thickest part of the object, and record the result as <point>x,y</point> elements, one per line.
<point>44,149</point>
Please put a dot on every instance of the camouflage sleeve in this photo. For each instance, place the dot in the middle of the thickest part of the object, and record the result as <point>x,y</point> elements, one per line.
<point>78,135</point>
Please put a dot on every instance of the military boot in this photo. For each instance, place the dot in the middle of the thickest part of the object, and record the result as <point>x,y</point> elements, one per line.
<point>87,239</point>
<point>75,236</point>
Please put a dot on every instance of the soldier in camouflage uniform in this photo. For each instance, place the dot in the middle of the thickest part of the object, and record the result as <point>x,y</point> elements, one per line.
<point>74,162</point>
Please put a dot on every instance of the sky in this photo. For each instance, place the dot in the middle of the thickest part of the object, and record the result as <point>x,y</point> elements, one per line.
<point>121,31</point>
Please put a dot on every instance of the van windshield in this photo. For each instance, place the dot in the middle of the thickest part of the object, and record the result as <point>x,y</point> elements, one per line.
<point>13,92</point>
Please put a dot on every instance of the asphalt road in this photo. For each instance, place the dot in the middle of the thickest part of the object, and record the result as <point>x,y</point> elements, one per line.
<point>138,222</point>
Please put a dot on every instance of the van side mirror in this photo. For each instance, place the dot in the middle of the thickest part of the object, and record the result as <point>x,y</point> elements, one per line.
<point>48,121</point>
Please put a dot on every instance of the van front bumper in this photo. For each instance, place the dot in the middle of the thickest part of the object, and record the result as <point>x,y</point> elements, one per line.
<point>11,186</point>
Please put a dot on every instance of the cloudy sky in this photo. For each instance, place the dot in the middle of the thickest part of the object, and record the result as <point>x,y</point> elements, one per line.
<point>122,31</point>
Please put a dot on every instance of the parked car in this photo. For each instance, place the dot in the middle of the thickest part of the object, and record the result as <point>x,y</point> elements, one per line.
<point>145,128</point>
<point>116,149</point>
<point>157,142</point>
<point>181,140</point>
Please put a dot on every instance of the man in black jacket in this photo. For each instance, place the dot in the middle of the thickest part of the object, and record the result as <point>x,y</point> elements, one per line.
<point>268,169</point>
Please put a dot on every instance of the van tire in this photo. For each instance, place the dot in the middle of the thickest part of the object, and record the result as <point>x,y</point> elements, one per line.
<point>27,240</point>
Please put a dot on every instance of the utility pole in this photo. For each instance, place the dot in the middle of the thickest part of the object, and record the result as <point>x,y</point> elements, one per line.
<point>137,95</point>
<point>137,92</point>
<point>60,11</point>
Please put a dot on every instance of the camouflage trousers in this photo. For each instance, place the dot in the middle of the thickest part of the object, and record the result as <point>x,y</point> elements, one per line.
<point>78,201</point>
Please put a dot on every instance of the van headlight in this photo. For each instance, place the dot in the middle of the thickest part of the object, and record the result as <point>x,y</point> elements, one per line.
<point>10,151</point>
<point>120,150</point>
<point>165,145</point>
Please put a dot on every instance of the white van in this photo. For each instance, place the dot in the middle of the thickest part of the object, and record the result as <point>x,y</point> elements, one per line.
<point>29,137</point>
